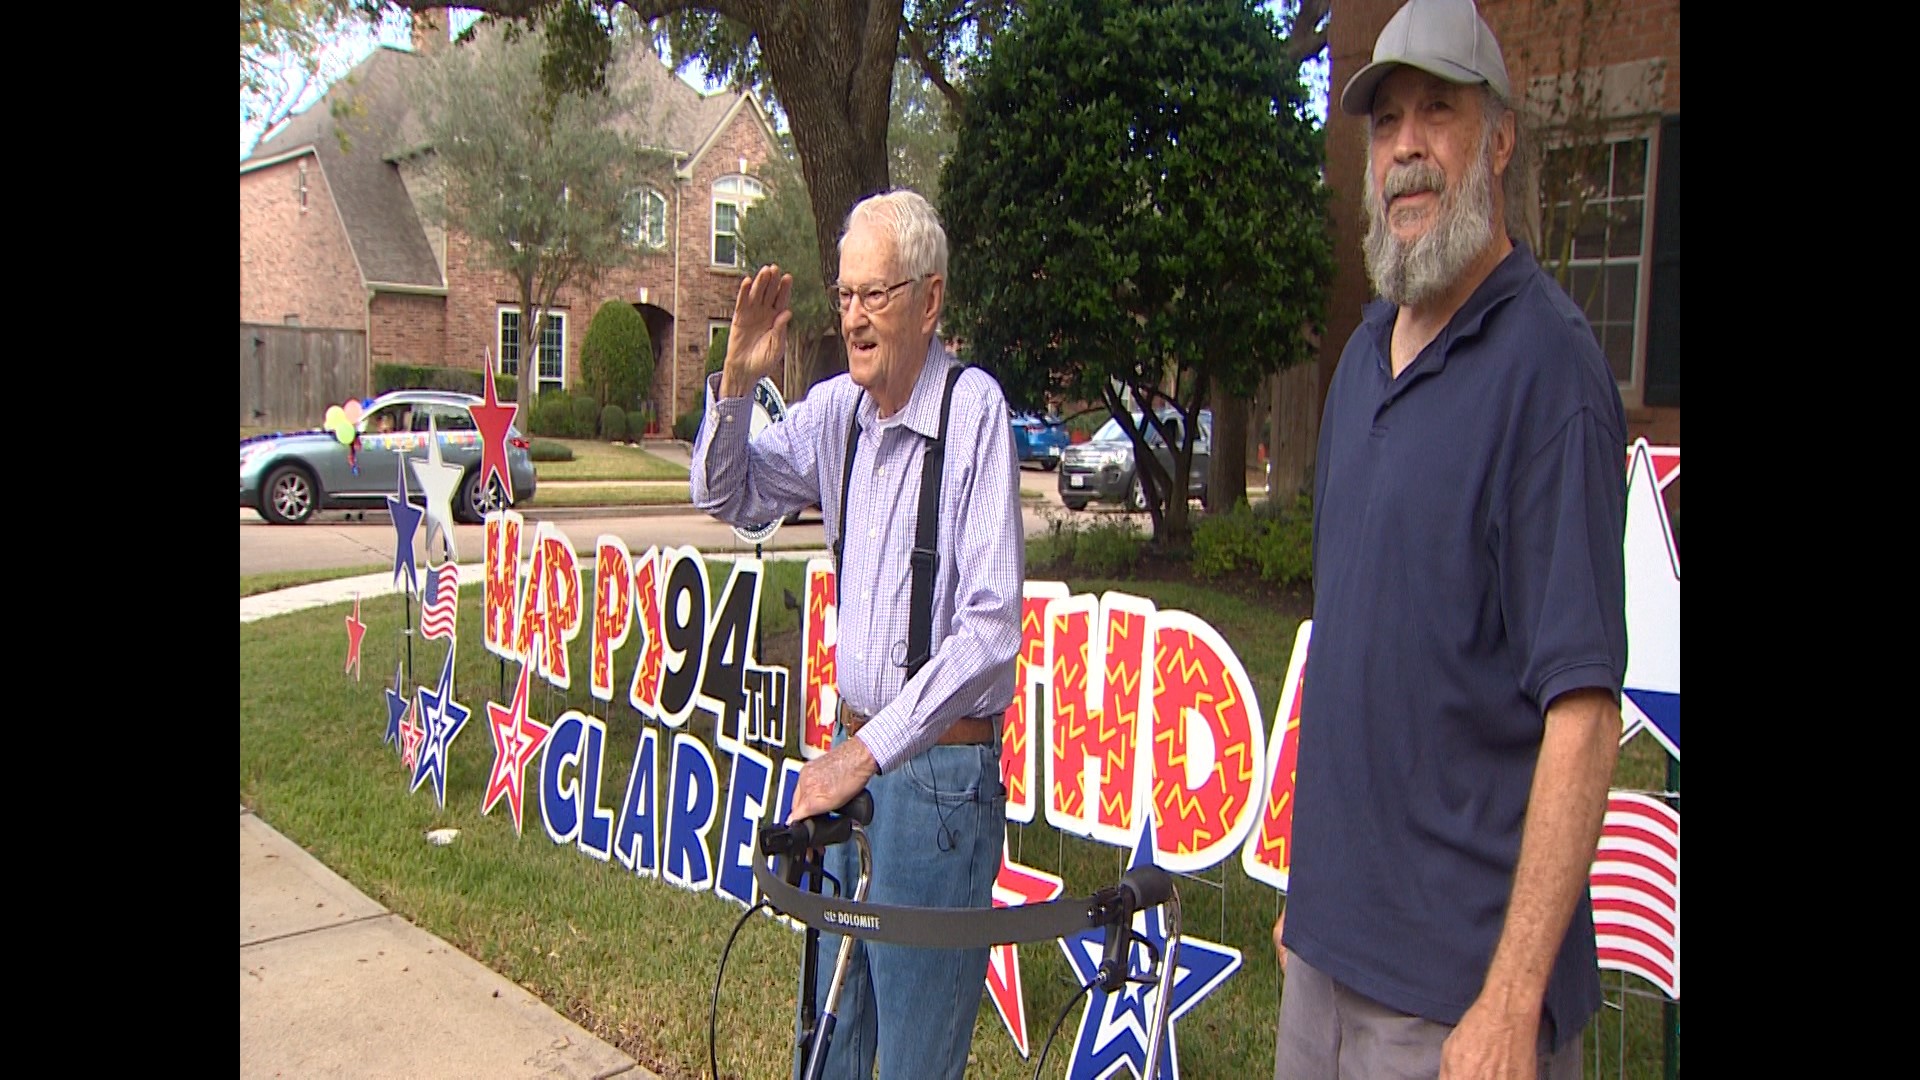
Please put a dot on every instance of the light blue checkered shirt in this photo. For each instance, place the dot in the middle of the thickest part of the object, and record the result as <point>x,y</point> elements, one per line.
<point>799,462</point>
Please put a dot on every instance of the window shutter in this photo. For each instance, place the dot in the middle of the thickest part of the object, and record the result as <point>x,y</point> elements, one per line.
<point>1663,307</point>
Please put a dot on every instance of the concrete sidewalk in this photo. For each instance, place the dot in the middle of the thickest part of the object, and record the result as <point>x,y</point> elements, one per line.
<point>334,985</point>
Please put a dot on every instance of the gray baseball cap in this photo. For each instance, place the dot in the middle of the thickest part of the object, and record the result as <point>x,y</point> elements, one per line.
<point>1446,38</point>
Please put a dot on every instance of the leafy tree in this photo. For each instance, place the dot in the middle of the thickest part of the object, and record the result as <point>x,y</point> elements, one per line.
<point>780,228</point>
<point>827,65</point>
<point>1137,214</point>
<point>825,70</point>
<point>1305,25</point>
<point>283,55</point>
<point>616,359</point>
<point>539,180</point>
<point>919,134</point>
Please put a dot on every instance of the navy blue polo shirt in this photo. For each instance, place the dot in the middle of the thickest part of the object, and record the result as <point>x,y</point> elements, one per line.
<point>1467,569</point>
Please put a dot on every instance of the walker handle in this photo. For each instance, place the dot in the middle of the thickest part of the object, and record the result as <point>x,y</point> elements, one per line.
<point>820,830</point>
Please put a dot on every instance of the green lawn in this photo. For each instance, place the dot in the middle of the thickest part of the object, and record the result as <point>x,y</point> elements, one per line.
<point>659,493</point>
<point>593,460</point>
<point>633,958</point>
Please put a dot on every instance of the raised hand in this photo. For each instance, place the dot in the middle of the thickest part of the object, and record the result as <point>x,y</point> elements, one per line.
<point>759,333</point>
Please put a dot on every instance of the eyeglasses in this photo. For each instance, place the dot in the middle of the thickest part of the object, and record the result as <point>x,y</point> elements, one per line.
<point>874,299</point>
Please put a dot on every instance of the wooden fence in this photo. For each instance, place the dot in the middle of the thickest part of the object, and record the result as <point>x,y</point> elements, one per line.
<point>290,374</point>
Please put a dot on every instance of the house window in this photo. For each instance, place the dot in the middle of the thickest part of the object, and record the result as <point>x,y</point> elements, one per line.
<point>732,197</point>
<point>1595,223</point>
<point>553,349</point>
<point>648,226</point>
<point>1662,382</point>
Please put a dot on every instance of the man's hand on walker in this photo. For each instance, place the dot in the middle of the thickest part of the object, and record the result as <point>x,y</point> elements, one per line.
<point>828,781</point>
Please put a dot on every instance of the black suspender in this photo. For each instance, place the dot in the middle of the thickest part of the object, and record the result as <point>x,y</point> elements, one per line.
<point>846,487</point>
<point>926,540</point>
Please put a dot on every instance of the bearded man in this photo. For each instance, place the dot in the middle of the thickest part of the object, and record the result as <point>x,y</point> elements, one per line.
<point>1460,719</point>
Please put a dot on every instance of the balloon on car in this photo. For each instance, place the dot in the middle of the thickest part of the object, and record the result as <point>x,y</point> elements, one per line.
<point>343,422</point>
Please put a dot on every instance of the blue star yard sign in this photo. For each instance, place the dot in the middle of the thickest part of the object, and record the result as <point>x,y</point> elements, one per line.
<point>1115,1029</point>
<point>406,518</point>
<point>443,718</point>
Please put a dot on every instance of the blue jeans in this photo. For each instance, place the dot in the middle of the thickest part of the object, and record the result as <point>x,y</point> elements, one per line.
<point>939,826</point>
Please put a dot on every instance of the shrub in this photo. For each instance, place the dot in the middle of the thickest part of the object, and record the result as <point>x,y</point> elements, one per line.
<point>1109,549</point>
<point>613,424</point>
<point>552,418</point>
<point>586,415</point>
<point>543,450</point>
<point>686,426</point>
<point>430,377</point>
<point>1225,542</point>
<point>616,359</point>
<point>1094,549</point>
<point>1276,544</point>
<point>1286,555</point>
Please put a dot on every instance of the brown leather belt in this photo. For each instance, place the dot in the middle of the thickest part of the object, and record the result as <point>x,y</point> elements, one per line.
<point>966,731</point>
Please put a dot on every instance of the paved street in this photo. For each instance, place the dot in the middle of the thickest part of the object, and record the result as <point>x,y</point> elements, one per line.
<point>336,539</point>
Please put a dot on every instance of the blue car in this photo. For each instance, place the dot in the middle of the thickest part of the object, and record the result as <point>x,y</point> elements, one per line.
<point>1039,438</point>
<point>289,476</point>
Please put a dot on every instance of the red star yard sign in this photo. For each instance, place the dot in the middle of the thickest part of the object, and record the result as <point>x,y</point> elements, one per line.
<point>355,631</point>
<point>493,419</point>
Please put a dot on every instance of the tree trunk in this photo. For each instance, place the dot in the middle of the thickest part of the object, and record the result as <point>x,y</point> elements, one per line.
<point>834,76</point>
<point>1293,432</point>
<point>1227,472</point>
<point>527,370</point>
<point>1179,531</point>
<point>822,359</point>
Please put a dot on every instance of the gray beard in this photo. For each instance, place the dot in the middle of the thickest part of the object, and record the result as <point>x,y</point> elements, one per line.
<point>1411,274</point>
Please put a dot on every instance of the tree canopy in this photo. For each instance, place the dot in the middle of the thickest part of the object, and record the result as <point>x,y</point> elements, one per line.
<point>826,67</point>
<point>1136,209</point>
<point>542,181</point>
<point>283,56</point>
<point>779,230</point>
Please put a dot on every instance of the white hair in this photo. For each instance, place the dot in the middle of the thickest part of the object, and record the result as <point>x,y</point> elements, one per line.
<point>910,221</point>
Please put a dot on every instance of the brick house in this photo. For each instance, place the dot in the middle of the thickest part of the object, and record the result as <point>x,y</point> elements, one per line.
<point>1621,58</point>
<point>333,234</point>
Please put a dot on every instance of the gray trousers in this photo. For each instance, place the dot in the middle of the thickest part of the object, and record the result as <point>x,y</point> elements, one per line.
<point>1328,1032</point>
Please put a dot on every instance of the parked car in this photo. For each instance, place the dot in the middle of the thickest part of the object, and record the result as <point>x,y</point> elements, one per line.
<point>1102,468</point>
<point>1040,439</point>
<point>288,476</point>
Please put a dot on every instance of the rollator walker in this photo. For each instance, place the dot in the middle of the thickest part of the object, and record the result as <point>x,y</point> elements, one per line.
<point>790,873</point>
